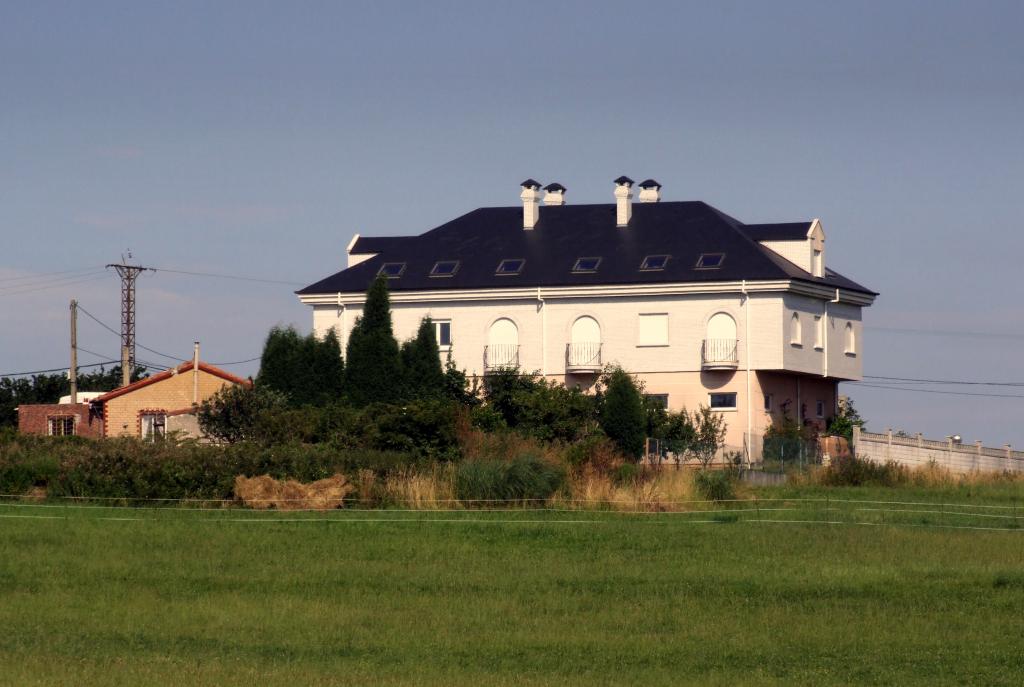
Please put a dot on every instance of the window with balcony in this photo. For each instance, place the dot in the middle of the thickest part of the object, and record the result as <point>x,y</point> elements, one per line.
<point>719,350</point>
<point>502,350</point>
<point>583,352</point>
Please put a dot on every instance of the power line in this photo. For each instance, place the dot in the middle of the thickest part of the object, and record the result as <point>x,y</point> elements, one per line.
<point>935,391</point>
<point>25,288</point>
<point>50,274</point>
<point>228,276</point>
<point>238,362</point>
<point>118,334</point>
<point>55,369</point>
<point>913,380</point>
<point>947,332</point>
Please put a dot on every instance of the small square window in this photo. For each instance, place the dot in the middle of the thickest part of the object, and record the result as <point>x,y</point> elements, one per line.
<point>443,332</point>
<point>153,424</point>
<point>392,270</point>
<point>654,262</point>
<point>710,261</point>
<point>586,265</point>
<point>510,266</point>
<point>60,426</point>
<point>723,401</point>
<point>819,409</point>
<point>445,268</point>
<point>659,401</point>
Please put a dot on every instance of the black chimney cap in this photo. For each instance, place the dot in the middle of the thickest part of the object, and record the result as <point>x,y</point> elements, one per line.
<point>649,183</point>
<point>555,188</point>
<point>623,180</point>
<point>530,183</point>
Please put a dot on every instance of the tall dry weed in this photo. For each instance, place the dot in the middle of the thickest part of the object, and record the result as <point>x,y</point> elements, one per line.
<point>653,490</point>
<point>433,490</point>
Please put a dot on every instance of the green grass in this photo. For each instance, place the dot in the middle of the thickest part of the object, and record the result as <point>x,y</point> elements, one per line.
<point>519,597</point>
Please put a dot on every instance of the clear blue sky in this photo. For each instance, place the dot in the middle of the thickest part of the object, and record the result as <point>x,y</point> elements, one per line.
<point>255,138</point>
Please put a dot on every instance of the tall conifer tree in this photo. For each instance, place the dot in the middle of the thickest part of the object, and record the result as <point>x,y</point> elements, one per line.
<point>421,360</point>
<point>373,363</point>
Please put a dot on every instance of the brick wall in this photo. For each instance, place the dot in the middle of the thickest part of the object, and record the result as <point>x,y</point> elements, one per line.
<point>167,395</point>
<point>33,419</point>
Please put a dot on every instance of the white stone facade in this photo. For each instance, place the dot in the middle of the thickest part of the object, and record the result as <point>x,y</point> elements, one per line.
<point>656,332</point>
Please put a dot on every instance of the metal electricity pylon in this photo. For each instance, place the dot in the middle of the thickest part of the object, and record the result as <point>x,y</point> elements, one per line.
<point>128,274</point>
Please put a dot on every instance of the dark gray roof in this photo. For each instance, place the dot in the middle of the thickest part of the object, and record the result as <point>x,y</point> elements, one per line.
<point>786,231</point>
<point>564,233</point>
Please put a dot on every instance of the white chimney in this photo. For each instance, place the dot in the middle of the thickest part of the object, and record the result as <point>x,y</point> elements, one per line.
<point>623,198</point>
<point>650,191</point>
<point>554,194</point>
<point>531,206</point>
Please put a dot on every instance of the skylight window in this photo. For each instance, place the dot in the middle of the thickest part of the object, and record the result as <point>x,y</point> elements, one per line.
<point>654,262</point>
<point>710,261</point>
<point>392,270</point>
<point>586,265</point>
<point>445,268</point>
<point>510,266</point>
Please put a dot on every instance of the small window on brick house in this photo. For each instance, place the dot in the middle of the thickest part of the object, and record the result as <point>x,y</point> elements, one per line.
<point>60,426</point>
<point>153,424</point>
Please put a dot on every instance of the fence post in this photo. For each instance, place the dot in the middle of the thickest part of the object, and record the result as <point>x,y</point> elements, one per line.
<point>1008,448</point>
<point>888,446</point>
<point>855,441</point>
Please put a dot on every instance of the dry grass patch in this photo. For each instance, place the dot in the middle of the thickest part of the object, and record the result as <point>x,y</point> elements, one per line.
<point>434,490</point>
<point>265,492</point>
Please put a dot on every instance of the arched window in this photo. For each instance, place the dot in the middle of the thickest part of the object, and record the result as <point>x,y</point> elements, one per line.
<point>502,344</point>
<point>585,343</point>
<point>795,334</point>
<point>720,341</point>
<point>851,340</point>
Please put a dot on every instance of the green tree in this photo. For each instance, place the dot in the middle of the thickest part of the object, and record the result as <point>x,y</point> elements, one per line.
<point>373,369</point>
<point>48,388</point>
<point>421,364</point>
<point>305,369</point>
<point>234,413</point>
<point>708,435</point>
<point>845,420</point>
<point>621,414</point>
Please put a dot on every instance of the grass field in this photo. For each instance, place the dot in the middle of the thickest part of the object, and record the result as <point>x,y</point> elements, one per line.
<point>176,596</point>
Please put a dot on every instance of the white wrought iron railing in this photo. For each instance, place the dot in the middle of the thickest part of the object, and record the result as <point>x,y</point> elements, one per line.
<point>501,356</point>
<point>583,355</point>
<point>720,352</point>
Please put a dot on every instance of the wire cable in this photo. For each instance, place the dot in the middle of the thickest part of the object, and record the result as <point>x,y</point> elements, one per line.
<point>941,381</point>
<point>934,391</point>
<point>25,288</point>
<point>228,276</point>
<point>51,274</point>
<point>118,334</point>
<point>55,369</point>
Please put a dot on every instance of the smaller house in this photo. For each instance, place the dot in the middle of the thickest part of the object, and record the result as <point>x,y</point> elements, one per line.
<point>148,408</point>
<point>142,409</point>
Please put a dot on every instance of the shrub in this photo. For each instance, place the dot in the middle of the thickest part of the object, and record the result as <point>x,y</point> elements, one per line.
<point>853,471</point>
<point>621,413</point>
<point>597,453</point>
<point>426,428</point>
<point>525,478</point>
<point>235,412</point>
<point>715,485</point>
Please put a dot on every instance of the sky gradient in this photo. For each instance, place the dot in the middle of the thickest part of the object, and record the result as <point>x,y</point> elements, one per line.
<point>255,138</point>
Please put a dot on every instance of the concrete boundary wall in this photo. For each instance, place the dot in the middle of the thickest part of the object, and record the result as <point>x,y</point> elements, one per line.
<point>917,451</point>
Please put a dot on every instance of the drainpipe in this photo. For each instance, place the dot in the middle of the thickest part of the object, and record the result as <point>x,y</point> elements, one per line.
<point>746,355</point>
<point>195,374</point>
<point>824,334</point>
<point>543,336</point>
<point>835,386</point>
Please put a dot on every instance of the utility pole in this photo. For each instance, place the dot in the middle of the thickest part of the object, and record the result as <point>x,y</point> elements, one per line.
<point>128,274</point>
<point>73,372</point>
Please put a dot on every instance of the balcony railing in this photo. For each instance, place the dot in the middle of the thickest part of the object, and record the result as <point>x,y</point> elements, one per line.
<point>583,357</point>
<point>719,354</point>
<point>501,357</point>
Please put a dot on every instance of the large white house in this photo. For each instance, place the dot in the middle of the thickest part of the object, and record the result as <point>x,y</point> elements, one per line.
<point>704,309</point>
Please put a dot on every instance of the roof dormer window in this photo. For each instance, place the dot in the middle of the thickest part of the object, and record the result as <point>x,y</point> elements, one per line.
<point>584,265</point>
<point>710,261</point>
<point>510,267</point>
<point>445,268</point>
<point>392,270</point>
<point>653,263</point>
